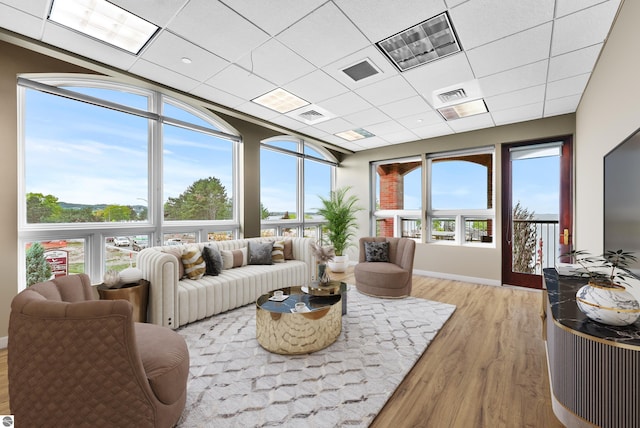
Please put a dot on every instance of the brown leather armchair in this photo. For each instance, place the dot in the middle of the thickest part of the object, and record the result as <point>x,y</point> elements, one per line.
<point>386,279</point>
<point>74,360</point>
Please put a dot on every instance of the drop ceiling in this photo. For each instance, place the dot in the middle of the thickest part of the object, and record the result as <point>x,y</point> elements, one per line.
<point>529,58</point>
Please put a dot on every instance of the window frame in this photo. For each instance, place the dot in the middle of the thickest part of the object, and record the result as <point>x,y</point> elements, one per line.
<point>95,234</point>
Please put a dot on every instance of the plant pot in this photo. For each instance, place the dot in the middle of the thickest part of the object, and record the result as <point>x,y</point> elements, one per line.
<point>608,305</point>
<point>339,263</point>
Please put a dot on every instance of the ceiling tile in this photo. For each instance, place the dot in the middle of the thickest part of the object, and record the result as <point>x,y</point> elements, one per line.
<point>167,50</point>
<point>383,128</point>
<point>478,121</point>
<point>345,104</point>
<point>581,29</point>
<point>289,123</point>
<point>420,120</point>
<point>518,114</point>
<point>163,75</point>
<point>565,7</point>
<point>511,52</point>
<point>233,36</point>
<point>406,107</point>
<point>370,53</point>
<point>217,96</point>
<point>439,74</point>
<point>379,19</point>
<point>433,130</point>
<point>338,35</point>
<point>257,110</point>
<point>20,22</point>
<point>315,87</point>
<point>334,125</point>
<point>561,105</point>
<point>534,94</point>
<point>37,8</point>
<point>273,18</point>
<point>72,41</point>
<point>386,91</point>
<point>276,63</point>
<point>367,117</point>
<point>158,12</point>
<point>240,82</point>
<point>481,22</point>
<point>565,87</point>
<point>517,78</point>
<point>573,63</point>
<point>400,136</point>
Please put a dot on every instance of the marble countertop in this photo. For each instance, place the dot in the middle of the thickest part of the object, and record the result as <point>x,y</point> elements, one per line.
<point>562,297</point>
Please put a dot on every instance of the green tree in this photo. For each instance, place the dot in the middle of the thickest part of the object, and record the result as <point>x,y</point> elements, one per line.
<point>116,213</point>
<point>42,209</point>
<point>38,270</point>
<point>264,213</point>
<point>524,240</point>
<point>81,215</point>
<point>205,199</point>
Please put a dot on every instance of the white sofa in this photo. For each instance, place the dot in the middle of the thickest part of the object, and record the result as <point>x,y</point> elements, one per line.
<point>174,302</point>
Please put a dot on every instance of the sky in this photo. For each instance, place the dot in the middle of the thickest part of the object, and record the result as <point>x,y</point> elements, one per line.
<point>75,153</point>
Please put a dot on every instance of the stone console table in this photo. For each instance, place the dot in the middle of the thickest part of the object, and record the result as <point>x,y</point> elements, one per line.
<point>594,369</point>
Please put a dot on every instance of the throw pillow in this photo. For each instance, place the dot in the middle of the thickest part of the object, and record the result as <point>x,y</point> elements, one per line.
<point>260,253</point>
<point>234,258</point>
<point>177,253</point>
<point>212,260</point>
<point>288,249</point>
<point>277,255</point>
<point>376,251</point>
<point>194,265</point>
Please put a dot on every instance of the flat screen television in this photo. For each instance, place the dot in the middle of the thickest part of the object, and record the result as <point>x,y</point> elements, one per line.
<point>622,197</point>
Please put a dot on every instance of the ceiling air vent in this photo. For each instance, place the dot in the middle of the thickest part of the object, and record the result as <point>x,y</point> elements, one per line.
<point>455,95</point>
<point>311,114</point>
<point>361,70</point>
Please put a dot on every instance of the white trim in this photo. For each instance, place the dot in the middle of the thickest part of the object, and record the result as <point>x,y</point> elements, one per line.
<point>441,275</point>
<point>4,341</point>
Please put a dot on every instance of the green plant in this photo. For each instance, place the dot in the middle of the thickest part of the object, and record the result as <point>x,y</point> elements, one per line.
<point>339,210</point>
<point>610,269</point>
<point>38,270</point>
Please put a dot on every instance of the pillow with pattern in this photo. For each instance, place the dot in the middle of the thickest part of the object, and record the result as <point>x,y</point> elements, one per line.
<point>194,265</point>
<point>277,255</point>
<point>376,251</point>
<point>234,258</point>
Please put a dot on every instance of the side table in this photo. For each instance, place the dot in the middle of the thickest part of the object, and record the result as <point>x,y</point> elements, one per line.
<point>136,293</point>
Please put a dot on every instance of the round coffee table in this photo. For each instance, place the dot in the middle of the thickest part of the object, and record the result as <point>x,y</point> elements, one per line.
<point>283,330</point>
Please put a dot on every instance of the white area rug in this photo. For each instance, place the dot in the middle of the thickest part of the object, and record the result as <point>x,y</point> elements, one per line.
<point>234,382</point>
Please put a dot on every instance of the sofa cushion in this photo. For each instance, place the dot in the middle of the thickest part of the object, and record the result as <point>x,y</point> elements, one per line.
<point>376,251</point>
<point>277,254</point>
<point>234,258</point>
<point>194,265</point>
<point>165,359</point>
<point>260,253</point>
<point>212,260</point>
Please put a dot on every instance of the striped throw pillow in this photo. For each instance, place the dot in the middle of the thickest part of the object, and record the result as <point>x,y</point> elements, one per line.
<point>277,255</point>
<point>194,265</point>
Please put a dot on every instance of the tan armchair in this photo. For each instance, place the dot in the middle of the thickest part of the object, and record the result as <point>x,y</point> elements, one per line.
<point>386,279</point>
<point>74,360</point>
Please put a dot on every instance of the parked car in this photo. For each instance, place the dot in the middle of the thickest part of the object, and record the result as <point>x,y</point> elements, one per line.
<point>121,241</point>
<point>140,242</point>
<point>173,241</point>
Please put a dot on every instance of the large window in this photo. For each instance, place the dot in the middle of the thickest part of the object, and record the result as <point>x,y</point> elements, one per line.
<point>109,169</point>
<point>293,173</point>
<point>398,198</point>
<point>460,197</point>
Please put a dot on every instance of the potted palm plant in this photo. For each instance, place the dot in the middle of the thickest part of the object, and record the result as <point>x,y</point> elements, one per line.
<point>339,210</point>
<point>605,298</point>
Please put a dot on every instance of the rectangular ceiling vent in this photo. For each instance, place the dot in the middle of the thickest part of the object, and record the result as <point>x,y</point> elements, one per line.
<point>361,70</point>
<point>455,95</point>
<point>311,114</point>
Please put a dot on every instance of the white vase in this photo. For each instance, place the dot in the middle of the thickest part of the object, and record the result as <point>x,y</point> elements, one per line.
<point>339,263</point>
<point>607,305</point>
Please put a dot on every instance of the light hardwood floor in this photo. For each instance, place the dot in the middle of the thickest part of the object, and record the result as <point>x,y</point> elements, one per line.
<point>486,368</point>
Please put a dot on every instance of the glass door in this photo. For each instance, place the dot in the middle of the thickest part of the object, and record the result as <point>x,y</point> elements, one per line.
<point>537,208</point>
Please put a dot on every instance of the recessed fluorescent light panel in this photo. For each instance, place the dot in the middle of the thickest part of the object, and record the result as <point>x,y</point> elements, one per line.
<point>467,109</point>
<point>422,43</point>
<point>104,21</point>
<point>280,101</point>
<point>354,134</point>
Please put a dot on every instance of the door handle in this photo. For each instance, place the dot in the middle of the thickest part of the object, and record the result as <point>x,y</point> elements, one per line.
<point>565,237</point>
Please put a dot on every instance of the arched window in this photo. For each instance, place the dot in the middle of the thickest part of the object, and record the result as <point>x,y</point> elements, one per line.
<point>107,169</point>
<point>293,173</point>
